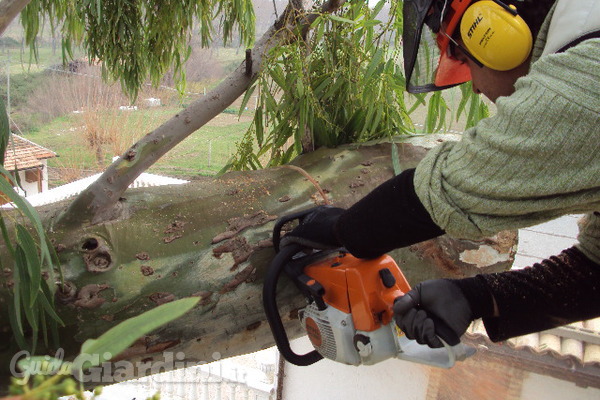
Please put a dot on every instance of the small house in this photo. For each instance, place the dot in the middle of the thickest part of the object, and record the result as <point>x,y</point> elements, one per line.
<point>30,161</point>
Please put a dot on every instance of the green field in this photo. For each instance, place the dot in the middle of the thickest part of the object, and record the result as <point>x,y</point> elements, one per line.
<point>204,152</point>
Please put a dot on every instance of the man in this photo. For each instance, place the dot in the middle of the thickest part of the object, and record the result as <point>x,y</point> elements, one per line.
<point>538,158</point>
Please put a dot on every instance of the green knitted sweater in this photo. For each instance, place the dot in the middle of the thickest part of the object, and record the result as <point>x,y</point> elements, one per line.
<point>538,158</point>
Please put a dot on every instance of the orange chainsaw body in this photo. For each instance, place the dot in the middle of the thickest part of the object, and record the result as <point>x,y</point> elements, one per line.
<point>366,289</point>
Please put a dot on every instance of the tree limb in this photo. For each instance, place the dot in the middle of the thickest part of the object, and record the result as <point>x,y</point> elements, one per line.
<point>9,9</point>
<point>212,239</point>
<point>100,201</point>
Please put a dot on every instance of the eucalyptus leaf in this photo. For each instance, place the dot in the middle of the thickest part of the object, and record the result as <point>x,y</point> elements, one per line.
<point>34,267</point>
<point>4,130</point>
<point>342,19</point>
<point>115,340</point>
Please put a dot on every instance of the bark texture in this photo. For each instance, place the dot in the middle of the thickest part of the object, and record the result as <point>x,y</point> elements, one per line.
<point>212,239</point>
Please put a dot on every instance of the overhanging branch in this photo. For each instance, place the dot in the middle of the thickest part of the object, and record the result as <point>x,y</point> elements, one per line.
<point>100,201</point>
<point>9,9</point>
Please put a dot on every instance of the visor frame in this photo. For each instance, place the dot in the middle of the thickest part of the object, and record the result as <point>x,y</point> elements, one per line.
<point>442,19</point>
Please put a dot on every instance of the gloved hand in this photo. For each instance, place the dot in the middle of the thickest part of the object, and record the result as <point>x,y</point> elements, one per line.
<point>316,230</point>
<point>433,308</point>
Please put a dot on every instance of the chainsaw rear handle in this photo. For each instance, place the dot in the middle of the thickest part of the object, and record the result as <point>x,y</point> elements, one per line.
<point>270,304</point>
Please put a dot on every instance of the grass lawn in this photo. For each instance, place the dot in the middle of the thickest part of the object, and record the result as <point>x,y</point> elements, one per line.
<point>204,152</point>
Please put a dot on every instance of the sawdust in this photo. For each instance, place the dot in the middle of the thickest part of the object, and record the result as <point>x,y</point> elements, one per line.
<point>431,249</point>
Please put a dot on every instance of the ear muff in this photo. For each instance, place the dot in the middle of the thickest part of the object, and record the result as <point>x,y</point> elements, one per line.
<point>495,35</point>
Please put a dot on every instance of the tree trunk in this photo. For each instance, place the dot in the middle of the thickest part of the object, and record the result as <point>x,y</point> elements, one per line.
<point>211,239</point>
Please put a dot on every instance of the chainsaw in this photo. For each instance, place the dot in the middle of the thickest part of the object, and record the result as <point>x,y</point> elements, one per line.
<point>349,315</point>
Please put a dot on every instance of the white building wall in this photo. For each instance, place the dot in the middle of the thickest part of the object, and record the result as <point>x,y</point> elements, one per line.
<point>327,380</point>
<point>536,387</point>
<point>44,175</point>
<point>30,188</point>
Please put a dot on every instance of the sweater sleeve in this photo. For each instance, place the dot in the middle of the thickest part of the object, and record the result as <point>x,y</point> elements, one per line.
<point>557,291</point>
<point>389,217</point>
<point>538,158</point>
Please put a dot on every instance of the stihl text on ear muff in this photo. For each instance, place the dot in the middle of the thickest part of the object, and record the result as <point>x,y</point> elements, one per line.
<point>496,35</point>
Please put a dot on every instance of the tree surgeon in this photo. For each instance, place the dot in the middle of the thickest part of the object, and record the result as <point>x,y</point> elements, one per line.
<point>537,159</point>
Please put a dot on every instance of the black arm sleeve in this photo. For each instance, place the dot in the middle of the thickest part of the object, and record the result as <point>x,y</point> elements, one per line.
<point>389,217</point>
<point>558,291</point>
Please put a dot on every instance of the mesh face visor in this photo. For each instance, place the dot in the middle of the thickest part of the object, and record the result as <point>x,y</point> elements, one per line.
<point>428,63</point>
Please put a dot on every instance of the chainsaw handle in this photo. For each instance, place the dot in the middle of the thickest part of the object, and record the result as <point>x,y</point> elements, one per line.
<point>443,357</point>
<point>284,220</point>
<point>272,311</point>
<point>442,329</point>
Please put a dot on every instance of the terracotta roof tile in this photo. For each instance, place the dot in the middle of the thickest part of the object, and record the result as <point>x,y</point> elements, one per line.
<point>23,154</point>
<point>579,341</point>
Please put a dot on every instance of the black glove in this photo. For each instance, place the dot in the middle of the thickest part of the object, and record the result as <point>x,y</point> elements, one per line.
<point>433,308</point>
<point>316,230</point>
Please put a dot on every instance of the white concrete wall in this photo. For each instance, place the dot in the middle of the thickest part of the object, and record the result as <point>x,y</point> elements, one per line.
<point>326,380</point>
<point>536,387</point>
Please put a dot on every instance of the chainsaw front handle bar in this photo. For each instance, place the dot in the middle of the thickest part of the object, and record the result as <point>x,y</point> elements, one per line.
<point>442,329</point>
<point>284,220</point>
<point>272,311</point>
<point>443,357</point>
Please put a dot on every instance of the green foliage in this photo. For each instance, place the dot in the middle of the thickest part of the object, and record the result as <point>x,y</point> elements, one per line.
<point>44,387</point>
<point>471,105</point>
<point>49,378</point>
<point>343,84</point>
<point>4,131</point>
<point>22,85</point>
<point>137,39</point>
<point>31,257</point>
